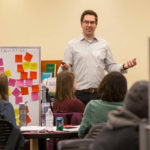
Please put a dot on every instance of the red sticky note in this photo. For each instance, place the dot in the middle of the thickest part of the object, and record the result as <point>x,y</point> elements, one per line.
<point>27,109</point>
<point>33,75</point>
<point>18,58</point>
<point>20,68</point>
<point>24,91</point>
<point>28,57</point>
<point>24,75</point>
<point>28,119</point>
<point>35,88</point>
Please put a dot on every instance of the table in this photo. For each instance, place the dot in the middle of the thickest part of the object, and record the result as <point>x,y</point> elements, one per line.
<point>71,132</point>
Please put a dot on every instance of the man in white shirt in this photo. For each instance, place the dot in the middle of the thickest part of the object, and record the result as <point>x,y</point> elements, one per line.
<point>88,56</point>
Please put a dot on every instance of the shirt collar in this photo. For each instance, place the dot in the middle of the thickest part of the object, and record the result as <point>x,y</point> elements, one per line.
<point>82,38</point>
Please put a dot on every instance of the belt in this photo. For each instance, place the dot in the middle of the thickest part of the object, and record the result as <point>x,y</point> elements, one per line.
<point>91,90</point>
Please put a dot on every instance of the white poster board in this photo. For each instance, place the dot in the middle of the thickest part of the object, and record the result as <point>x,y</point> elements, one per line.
<point>22,66</point>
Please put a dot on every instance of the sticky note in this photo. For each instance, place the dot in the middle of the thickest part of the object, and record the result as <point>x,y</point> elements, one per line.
<point>24,75</point>
<point>35,96</point>
<point>35,88</point>
<point>20,68</point>
<point>24,91</point>
<point>18,58</point>
<point>1,61</point>
<point>16,112</point>
<point>33,75</point>
<point>28,82</point>
<point>8,73</point>
<point>33,66</point>
<point>2,69</point>
<point>16,92</point>
<point>26,65</point>
<point>20,83</point>
<point>9,91</point>
<point>17,121</point>
<point>18,100</point>
<point>28,57</point>
<point>28,119</point>
<point>11,82</point>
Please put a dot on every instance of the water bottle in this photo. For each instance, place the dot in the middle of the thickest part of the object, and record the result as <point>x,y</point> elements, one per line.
<point>49,119</point>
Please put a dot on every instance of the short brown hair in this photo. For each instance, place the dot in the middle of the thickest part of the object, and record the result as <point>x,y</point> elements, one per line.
<point>3,86</point>
<point>113,87</point>
<point>89,12</point>
<point>64,85</point>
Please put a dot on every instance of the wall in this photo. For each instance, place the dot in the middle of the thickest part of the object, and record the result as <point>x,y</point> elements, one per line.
<point>51,23</point>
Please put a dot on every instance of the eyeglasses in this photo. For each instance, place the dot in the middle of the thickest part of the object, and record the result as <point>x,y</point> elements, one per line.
<point>89,22</point>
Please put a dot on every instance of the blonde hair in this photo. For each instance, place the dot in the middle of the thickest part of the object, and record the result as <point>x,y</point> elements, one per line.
<point>3,87</point>
<point>64,85</point>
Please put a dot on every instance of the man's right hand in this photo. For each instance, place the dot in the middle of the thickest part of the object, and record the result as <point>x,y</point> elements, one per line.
<point>64,66</point>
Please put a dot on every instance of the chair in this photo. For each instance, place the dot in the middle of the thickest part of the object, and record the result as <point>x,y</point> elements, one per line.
<point>82,144</point>
<point>76,144</point>
<point>71,118</point>
<point>10,137</point>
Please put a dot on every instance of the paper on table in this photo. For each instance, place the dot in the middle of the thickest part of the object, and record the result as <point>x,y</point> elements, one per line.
<point>32,128</point>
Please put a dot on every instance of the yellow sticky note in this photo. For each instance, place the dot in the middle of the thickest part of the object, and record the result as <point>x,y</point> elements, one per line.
<point>26,65</point>
<point>33,66</point>
<point>17,121</point>
<point>9,91</point>
<point>16,112</point>
<point>8,73</point>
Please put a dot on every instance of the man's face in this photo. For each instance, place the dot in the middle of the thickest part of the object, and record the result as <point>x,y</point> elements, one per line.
<point>88,25</point>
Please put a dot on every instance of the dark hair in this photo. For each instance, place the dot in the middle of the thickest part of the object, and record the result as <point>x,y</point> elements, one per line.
<point>136,99</point>
<point>3,87</point>
<point>113,87</point>
<point>89,12</point>
<point>64,85</point>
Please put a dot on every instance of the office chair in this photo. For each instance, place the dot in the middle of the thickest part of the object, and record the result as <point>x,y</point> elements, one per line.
<point>10,137</point>
<point>82,144</point>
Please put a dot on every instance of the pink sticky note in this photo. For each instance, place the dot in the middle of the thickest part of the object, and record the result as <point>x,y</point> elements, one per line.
<point>35,96</point>
<point>20,83</point>
<point>29,82</point>
<point>11,82</point>
<point>2,69</point>
<point>16,92</point>
<point>1,61</point>
<point>18,100</point>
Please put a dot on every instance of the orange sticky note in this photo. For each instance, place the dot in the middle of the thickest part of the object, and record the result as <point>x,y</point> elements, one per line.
<point>33,75</point>
<point>35,88</point>
<point>27,109</point>
<point>24,75</point>
<point>28,119</point>
<point>18,58</point>
<point>24,91</point>
<point>20,68</point>
<point>28,57</point>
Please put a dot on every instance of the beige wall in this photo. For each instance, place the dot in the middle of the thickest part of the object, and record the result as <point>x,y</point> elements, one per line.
<point>124,24</point>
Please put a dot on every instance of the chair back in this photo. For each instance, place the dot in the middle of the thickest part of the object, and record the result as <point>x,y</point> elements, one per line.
<point>5,130</point>
<point>71,118</point>
<point>95,130</point>
<point>76,144</point>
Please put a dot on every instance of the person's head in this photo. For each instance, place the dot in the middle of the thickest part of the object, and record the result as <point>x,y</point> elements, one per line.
<point>65,85</point>
<point>89,20</point>
<point>3,86</point>
<point>113,87</point>
<point>136,99</point>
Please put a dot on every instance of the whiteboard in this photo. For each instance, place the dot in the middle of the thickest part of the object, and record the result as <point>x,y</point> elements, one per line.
<point>8,64</point>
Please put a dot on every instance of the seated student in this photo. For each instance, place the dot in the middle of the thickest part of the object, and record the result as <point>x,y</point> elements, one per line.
<point>65,100</point>
<point>6,108</point>
<point>111,90</point>
<point>122,128</point>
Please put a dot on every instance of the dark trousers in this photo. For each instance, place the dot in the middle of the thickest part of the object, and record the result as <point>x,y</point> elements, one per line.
<point>85,97</point>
